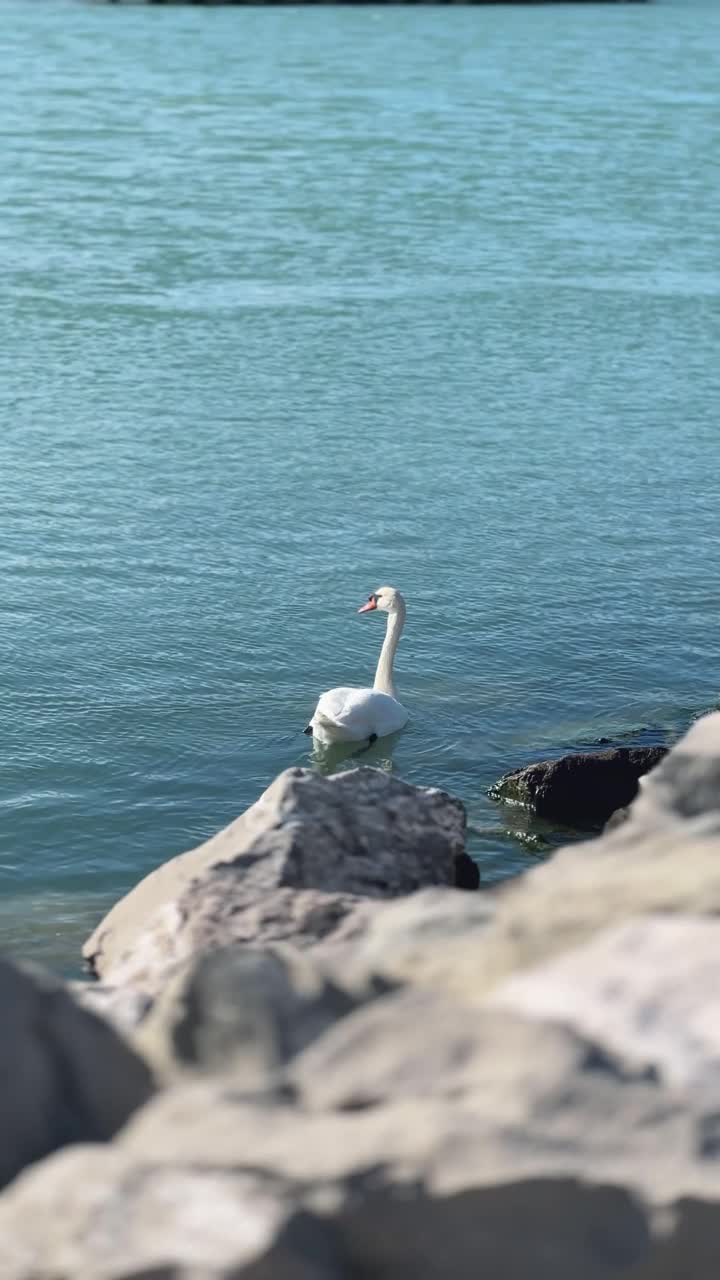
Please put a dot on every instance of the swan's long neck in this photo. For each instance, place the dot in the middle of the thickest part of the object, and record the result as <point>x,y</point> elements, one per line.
<point>384,682</point>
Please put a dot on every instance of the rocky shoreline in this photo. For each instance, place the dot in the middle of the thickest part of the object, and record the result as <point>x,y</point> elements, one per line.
<point>312,1052</point>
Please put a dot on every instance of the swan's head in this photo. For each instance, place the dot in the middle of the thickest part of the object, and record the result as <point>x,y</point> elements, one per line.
<point>387,598</point>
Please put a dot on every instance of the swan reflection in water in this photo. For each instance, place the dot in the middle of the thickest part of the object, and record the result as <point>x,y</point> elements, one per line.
<point>334,757</point>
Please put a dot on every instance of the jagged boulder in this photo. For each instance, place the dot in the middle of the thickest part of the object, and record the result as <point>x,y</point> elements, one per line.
<point>219,910</point>
<point>358,835</point>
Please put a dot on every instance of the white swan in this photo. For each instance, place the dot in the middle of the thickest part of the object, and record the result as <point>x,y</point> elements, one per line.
<point>357,715</point>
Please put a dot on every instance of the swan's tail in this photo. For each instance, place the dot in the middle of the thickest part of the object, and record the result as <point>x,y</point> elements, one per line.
<point>320,721</point>
<point>325,729</point>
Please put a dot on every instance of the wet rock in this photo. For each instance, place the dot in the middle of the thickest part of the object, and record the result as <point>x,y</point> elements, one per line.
<point>67,1077</point>
<point>466,872</point>
<point>582,790</point>
<point>363,833</point>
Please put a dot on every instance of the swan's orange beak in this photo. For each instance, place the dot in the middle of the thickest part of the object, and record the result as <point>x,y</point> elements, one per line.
<point>371,604</point>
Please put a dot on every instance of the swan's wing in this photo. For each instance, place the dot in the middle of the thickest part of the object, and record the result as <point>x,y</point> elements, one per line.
<point>346,708</point>
<point>389,714</point>
<point>360,713</point>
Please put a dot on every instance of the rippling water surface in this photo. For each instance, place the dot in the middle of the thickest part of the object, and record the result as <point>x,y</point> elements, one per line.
<point>297,302</point>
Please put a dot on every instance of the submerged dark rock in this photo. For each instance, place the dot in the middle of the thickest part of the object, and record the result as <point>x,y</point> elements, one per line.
<point>582,790</point>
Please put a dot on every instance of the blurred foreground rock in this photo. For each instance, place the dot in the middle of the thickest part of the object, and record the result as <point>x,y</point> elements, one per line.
<point>443,1086</point>
<point>244,1009</point>
<point>500,1145</point>
<point>66,1076</point>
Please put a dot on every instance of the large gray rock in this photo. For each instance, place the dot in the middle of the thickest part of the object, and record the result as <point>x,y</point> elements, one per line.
<point>220,910</point>
<point>359,834</point>
<point>521,1150</point>
<point>67,1077</point>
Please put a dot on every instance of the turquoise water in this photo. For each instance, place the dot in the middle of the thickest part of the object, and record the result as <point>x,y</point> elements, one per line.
<point>299,302</point>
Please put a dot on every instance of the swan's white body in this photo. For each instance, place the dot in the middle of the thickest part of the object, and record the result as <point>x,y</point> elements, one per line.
<point>356,715</point>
